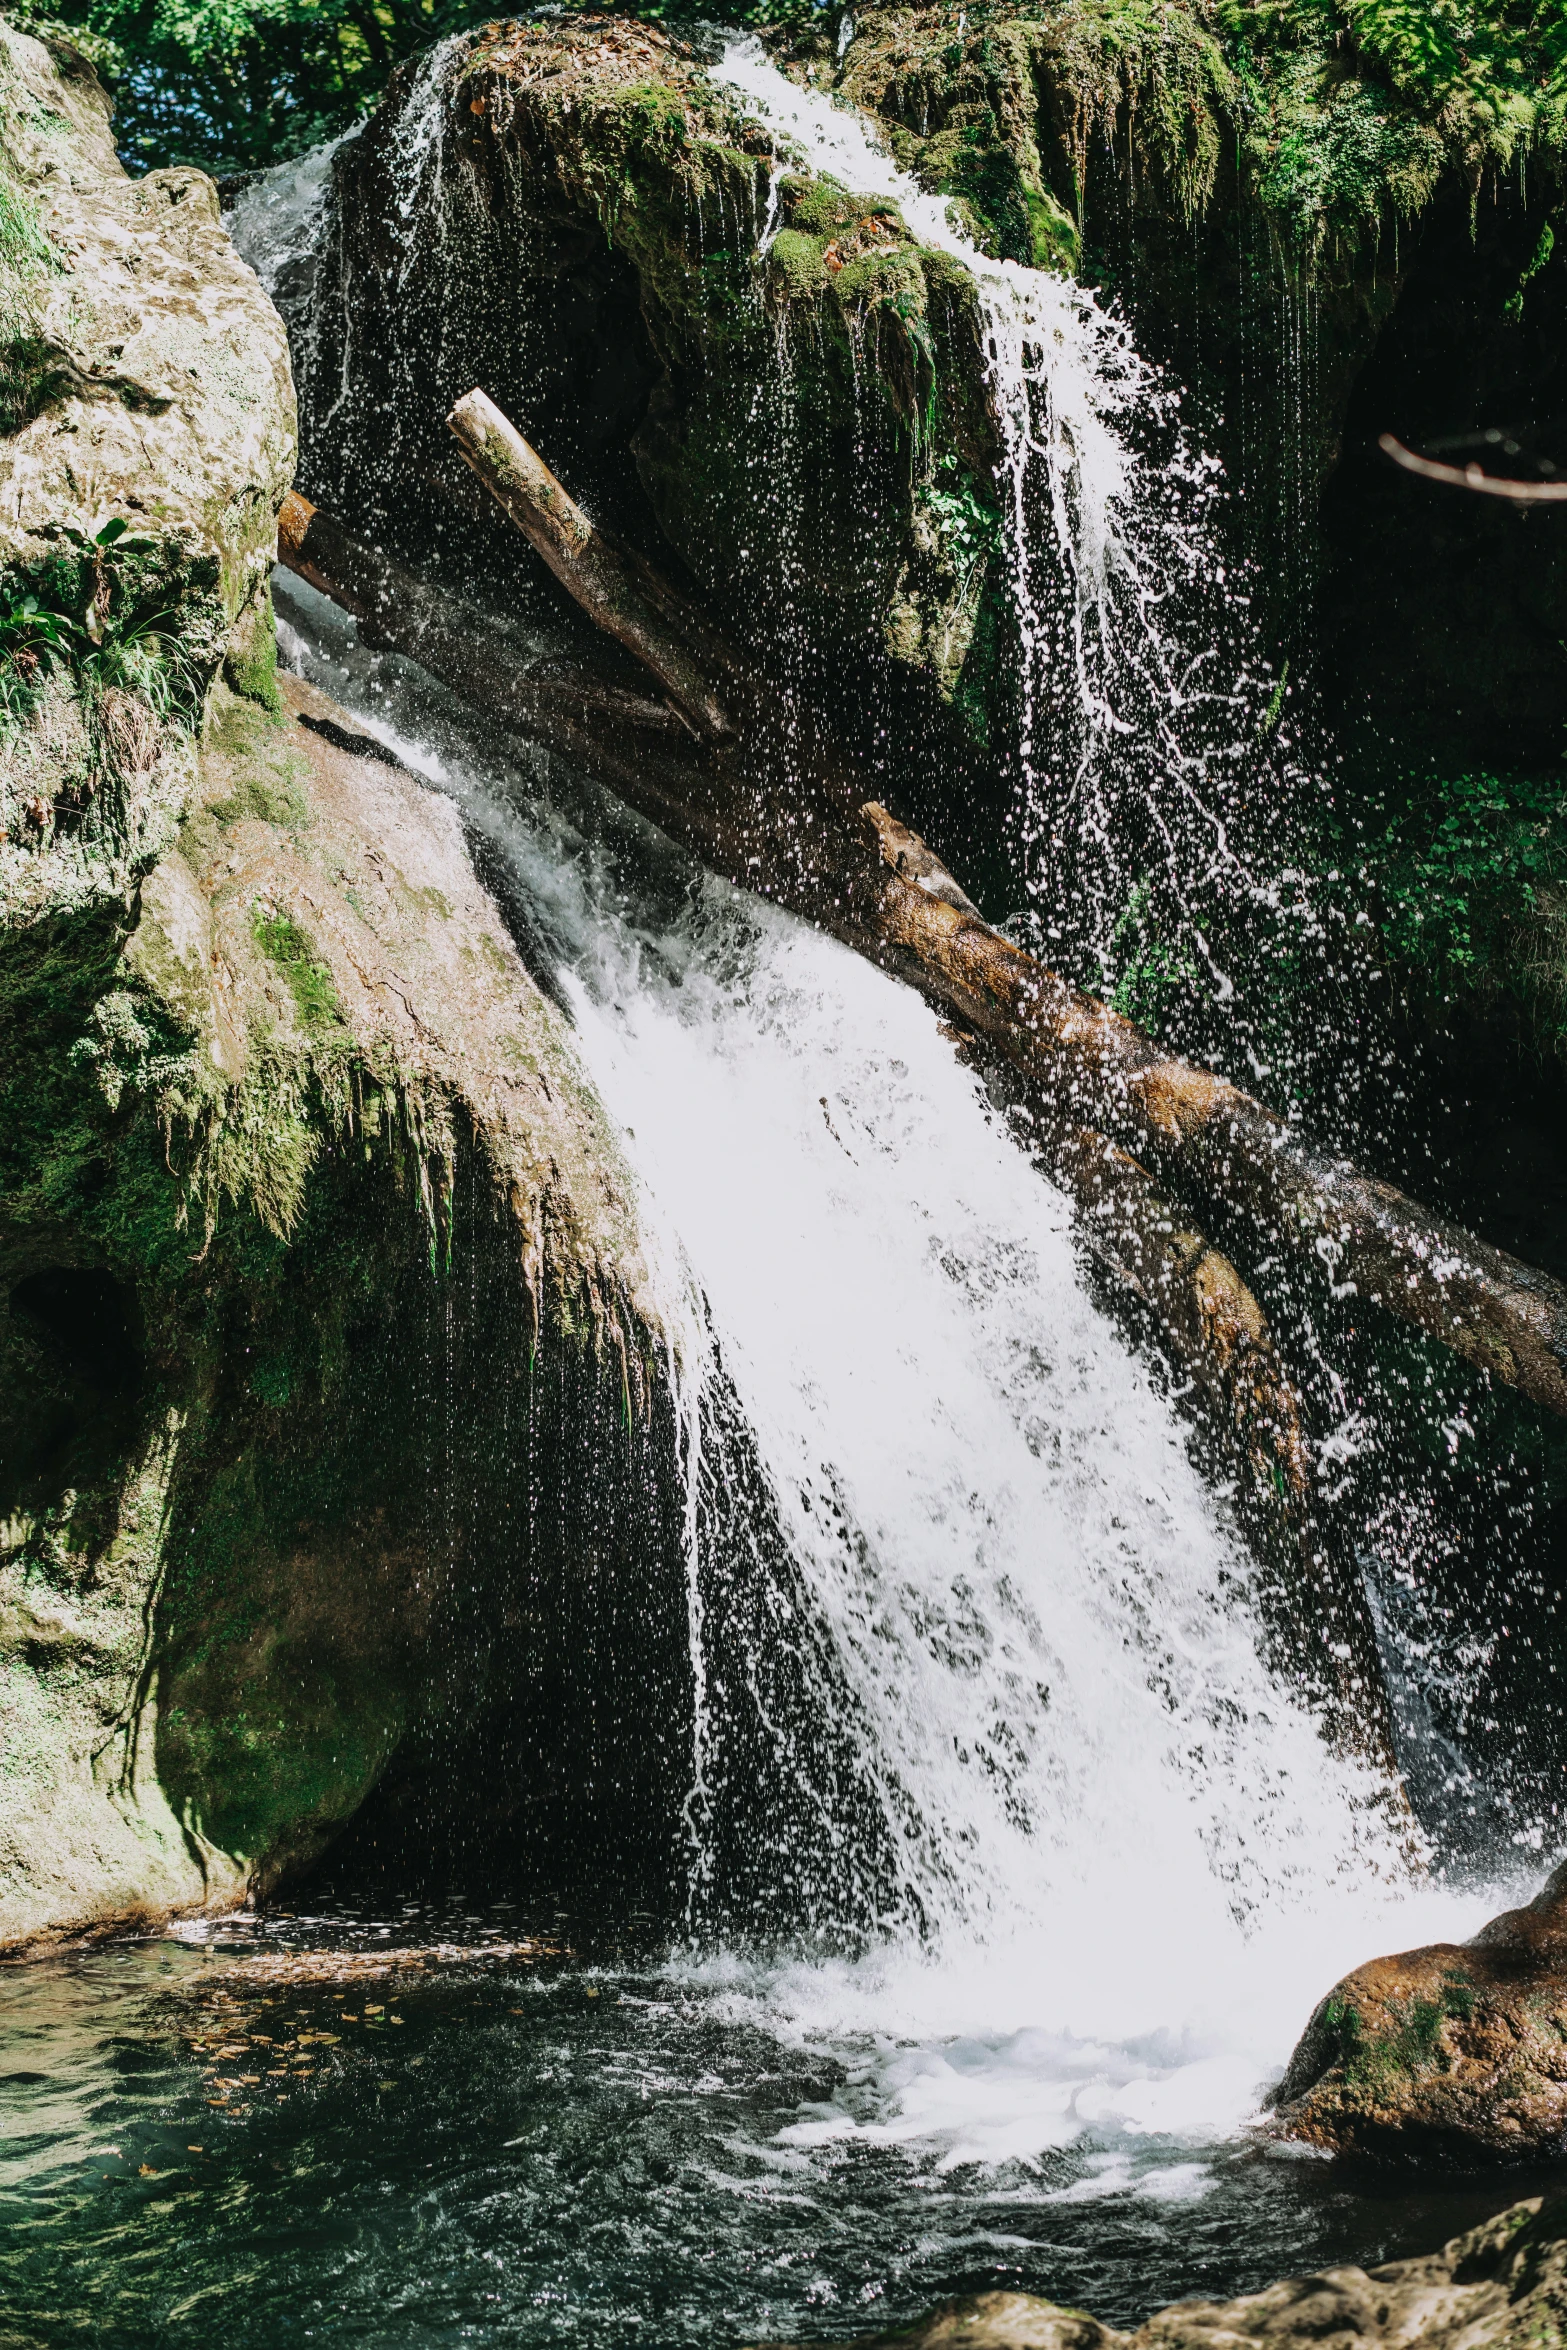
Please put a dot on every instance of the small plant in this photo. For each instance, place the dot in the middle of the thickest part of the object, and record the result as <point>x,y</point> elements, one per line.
<point>76,615</point>
<point>1143,969</point>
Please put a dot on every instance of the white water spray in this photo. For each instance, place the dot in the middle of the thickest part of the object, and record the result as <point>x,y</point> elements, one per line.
<point>1009,1600</point>
<point>1119,716</point>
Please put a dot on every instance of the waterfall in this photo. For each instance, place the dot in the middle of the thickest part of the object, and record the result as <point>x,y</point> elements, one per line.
<point>983,1741</point>
<point>979,1688</point>
<point>1136,730</point>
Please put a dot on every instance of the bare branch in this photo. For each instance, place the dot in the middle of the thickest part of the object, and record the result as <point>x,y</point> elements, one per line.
<point>1470,477</point>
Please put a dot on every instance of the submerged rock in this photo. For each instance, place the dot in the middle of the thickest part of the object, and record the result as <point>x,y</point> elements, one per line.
<point>1505,2282</point>
<point>1454,2052</point>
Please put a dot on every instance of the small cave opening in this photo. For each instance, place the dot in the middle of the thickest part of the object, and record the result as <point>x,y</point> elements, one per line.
<point>72,1380</point>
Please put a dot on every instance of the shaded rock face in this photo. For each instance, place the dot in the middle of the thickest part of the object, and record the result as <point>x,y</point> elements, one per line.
<point>332,1424</point>
<point>1454,2052</point>
<point>719,355</point>
<point>1504,2283</point>
<point>334,1418</point>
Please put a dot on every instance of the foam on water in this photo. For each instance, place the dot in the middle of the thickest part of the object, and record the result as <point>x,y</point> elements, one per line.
<point>1123,1865</point>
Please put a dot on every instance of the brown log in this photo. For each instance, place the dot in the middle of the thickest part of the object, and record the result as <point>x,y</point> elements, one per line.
<point>586,562</point>
<point>778,799</point>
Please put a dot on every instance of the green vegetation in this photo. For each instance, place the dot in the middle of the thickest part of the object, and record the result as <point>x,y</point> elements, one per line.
<point>310,980</point>
<point>27,260</point>
<point>1466,877</point>
<point>1145,973</point>
<point>86,612</point>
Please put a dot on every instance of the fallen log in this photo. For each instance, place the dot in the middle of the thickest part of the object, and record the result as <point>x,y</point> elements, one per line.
<point>1210,1324</point>
<point>776,796</point>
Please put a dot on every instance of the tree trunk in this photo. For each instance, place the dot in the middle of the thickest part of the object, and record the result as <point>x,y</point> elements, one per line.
<point>778,810</point>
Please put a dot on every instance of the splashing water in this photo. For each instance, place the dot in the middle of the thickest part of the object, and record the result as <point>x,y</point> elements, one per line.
<point>1130,736</point>
<point>979,1680</point>
<point>978,1690</point>
<point>276,226</point>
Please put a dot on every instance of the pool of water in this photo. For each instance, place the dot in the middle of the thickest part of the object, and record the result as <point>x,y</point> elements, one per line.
<point>605,2145</point>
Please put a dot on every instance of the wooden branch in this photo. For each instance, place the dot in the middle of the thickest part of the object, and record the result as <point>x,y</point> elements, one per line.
<point>1470,477</point>
<point>583,559</point>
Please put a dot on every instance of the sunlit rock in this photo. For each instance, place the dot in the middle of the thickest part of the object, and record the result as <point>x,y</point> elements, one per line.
<point>1454,2052</point>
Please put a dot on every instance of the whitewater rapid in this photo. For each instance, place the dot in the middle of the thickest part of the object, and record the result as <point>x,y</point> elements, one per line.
<point>1124,1865</point>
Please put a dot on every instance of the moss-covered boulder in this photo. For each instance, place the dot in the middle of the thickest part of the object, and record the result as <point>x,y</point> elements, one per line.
<point>1454,2052</point>
<point>723,353</point>
<point>329,1427</point>
<point>148,440</point>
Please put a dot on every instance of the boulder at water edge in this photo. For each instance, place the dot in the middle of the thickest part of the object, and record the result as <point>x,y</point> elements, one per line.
<point>1505,2282</point>
<point>1457,2051</point>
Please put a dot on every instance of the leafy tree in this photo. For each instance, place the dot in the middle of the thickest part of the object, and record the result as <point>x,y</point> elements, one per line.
<point>235,84</point>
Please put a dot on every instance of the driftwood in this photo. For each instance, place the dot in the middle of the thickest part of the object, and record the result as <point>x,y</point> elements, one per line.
<point>778,811</point>
<point>653,757</point>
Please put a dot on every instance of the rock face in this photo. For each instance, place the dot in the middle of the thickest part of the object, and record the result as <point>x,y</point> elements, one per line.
<point>1455,2052</point>
<point>723,353</point>
<point>326,1348</point>
<point>1504,2283</point>
<point>329,1411</point>
<point>143,376</point>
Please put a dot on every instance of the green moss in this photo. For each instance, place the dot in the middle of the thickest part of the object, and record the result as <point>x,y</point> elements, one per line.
<point>270,778</point>
<point>310,979</point>
<point>1382,2064</point>
<point>796,267</point>
<point>250,665</point>
<point>1053,236</point>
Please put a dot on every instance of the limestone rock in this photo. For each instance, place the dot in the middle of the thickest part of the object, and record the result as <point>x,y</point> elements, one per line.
<point>144,376</point>
<point>312,1221</point>
<point>1453,2052</point>
<point>1504,2283</point>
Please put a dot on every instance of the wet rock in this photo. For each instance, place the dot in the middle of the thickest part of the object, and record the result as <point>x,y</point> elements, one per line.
<point>329,1364</point>
<point>1503,2283</point>
<point>722,351</point>
<point>1457,2052</point>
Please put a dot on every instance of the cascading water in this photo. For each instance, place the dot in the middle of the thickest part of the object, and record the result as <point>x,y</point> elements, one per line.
<point>1161,801</point>
<point>979,1681</point>
<point>1013,1874</point>
<point>1136,730</point>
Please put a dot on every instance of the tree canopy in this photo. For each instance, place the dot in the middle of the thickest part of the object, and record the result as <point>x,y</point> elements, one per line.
<point>235,84</point>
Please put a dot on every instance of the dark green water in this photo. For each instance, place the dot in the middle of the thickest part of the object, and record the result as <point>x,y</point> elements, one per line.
<point>564,2151</point>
